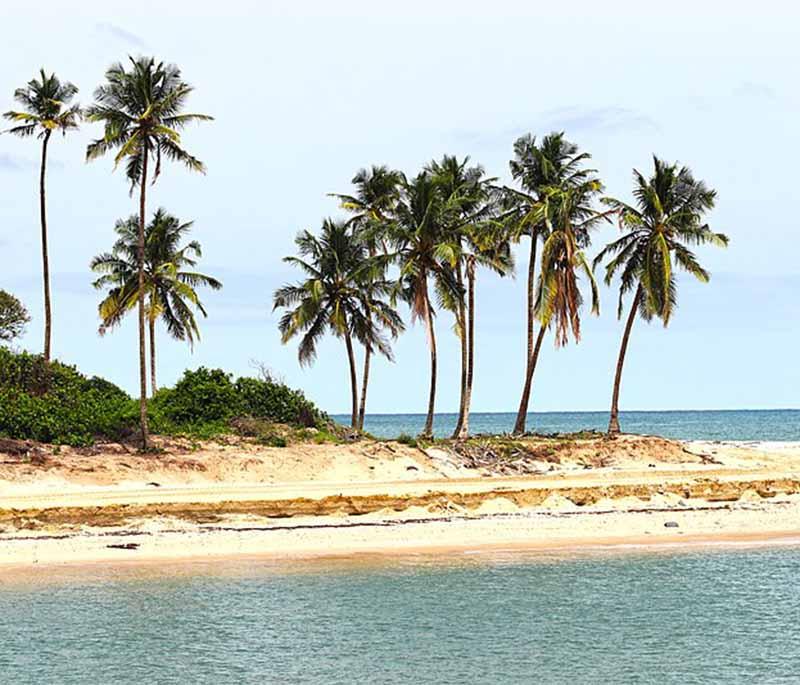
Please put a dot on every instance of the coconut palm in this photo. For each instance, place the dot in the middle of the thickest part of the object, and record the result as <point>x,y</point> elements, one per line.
<point>377,192</point>
<point>467,203</point>
<point>668,216</point>
<point>488,245</point>
<point>46,108</point>
<point>539,168</point>
<point>425,252</point>
<point>142,110</point>
<point>570,216</point>
<point>345,293</point>
<point>170,279</point>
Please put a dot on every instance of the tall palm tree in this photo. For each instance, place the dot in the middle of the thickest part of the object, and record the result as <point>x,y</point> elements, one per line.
<point>170,279</point>
<point>558,299</point>
<point>377,192</point>
<point>46,109</point>
<point>488,246</point>
<point>538,168</point>
<point>467,203</point>
<point>424,252</point>
<point>668,216</point>
<point>344,294</point>
<point>142,110</point>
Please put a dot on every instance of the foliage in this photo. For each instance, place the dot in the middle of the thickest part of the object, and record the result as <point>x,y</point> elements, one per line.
<point>55,403</point>
<point>13,317</point>
<point>141,108</point>
<point>345,292</point>
<point>46,108</point>
<point>668,216</point>
<point>170,279</point>
<point>205,401</point>
<point>406,439</point>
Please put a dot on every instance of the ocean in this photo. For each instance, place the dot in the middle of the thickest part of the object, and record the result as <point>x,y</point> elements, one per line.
<point>700,616</point>
<point>745,424</point>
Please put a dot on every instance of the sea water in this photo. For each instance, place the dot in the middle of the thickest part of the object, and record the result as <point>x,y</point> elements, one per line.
<point>702,616</point>
<point>775,424</point>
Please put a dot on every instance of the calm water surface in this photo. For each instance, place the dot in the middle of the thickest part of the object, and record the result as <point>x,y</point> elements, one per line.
<point>689,617</point>
<point>775,424</point>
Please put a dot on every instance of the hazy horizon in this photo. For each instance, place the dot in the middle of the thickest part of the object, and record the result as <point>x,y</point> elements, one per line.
<point>304,96</point>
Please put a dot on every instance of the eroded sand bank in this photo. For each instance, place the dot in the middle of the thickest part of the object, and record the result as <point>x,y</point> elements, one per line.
<point>238,499</point>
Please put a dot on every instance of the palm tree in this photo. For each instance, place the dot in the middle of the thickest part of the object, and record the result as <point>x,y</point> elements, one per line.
<point>141,109</point>
<point>570,217</point>
<point>377,192</point>
<point>488,246</point>
<point>668,216</point>
<point>538,168</point>
<point>425,251</point>
<point>170,279</point>
<point>46,109</point>
<point>467,203</point>
<point>344,294</point>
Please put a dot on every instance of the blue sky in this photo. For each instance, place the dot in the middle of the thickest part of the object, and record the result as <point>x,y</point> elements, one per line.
<point>304,95</point>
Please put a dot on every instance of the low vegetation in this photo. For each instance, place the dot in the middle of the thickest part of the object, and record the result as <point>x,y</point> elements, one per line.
<point>55,403</point>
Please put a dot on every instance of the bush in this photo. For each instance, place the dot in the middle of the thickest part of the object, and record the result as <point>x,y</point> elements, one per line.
<point>55,403</point>
<point>201,396</point>
<point>277,402</point>
<point>406,439</point>
<point>13,317</point>
<point>208,399</point>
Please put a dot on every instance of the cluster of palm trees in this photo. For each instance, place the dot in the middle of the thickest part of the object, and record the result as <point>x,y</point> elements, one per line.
<point>421,239</point>
<point>141,106</point>
<point>418,239</point>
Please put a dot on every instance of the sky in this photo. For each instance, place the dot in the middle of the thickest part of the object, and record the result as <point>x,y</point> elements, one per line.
<point>306,93</point>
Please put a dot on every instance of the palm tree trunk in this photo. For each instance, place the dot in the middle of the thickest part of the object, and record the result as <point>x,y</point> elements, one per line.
<point>45,258</point>
<point>470,349</point>
<point>613,422</point>
<point>142,356</point>
<point>428,430</point>
<point>461,322</point>
<point>353,381</point>
<point>153,386</point>
<point>364,383</point>
<point>519,426</point>
<point>522,413</point>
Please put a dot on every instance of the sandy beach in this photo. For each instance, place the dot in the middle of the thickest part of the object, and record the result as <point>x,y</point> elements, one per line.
<point>111,505</point>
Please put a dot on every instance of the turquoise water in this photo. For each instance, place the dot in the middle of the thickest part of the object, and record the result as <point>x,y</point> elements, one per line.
<point>690,617</point>
<point>777,424</point>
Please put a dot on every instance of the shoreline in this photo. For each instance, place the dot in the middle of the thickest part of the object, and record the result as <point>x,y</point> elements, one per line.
<point>227,502</point>
<point>166,542</point>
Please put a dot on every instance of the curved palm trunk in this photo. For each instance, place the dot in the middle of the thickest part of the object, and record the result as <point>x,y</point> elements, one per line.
<point>351,358</point>
<point>142,359</point>
<point>364,383</point>
<point>153,386</point>
<point>461,323</point>
<point>522,412</point>
<point>470,349</point>
<point>613,422</point>
<point>519,426</point>
<point>428,430</point>
<point>45,257</point>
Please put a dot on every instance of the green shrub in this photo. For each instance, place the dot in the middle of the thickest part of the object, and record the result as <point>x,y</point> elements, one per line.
<point>198,397</point>
<point>210,396</point>
<point>55,403</point>
<point>406,439</point>
<point>277,402</point>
